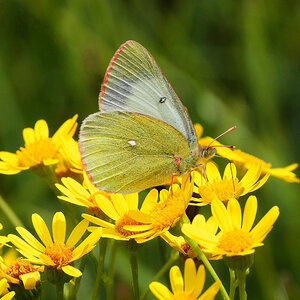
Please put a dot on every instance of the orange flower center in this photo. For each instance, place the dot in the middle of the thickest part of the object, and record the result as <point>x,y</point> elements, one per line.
<point>225,188</point>
<point>235,241</point>
<point>168,212</point>
<point>34,153</point>
<point>126,220</point>
<point>183,296</point>
<point>60,254</point>
<point>19,267</point>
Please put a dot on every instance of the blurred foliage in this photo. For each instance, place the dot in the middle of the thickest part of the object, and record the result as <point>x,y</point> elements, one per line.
<point>231,62</point>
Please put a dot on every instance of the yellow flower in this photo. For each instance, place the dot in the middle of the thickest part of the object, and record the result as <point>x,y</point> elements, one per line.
<point>118,207</point>
<point>246,160</point>
<point>55,252</point>
<point>21,271</point>
<point>39,148</point>
<point>86,195</point>
<point>3,290</point>
<point>146,223</point>
<point>213,187</point>
<point>179,243</point>
<point>187,288</point>
<point>236,237</point>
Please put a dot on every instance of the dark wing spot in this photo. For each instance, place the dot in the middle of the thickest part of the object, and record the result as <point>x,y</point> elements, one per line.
<point>162,99</point>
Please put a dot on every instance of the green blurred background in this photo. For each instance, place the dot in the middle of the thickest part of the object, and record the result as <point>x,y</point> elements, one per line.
<point>231,63</point>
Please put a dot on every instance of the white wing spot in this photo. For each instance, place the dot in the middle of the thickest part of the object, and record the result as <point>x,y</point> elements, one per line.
<point>132,143</point>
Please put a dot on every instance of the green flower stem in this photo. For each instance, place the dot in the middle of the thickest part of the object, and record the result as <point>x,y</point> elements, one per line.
<point>241,275</point>
<point>233,284</point>
<point>102,252</point>
<point>173,257</point>
<point>134,268</point>
<point>59,287</point>
<point>10,214</point>
<point>111,270</point>
<point>207,264</point>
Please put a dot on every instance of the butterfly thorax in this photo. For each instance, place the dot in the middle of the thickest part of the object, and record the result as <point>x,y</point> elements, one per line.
<point>185,164</point>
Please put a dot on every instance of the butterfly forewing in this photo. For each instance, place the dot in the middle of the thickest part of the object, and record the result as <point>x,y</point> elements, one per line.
<point>134,82</point>
<point>128,152</point>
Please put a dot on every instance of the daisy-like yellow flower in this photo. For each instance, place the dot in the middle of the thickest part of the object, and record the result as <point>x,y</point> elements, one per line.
<point>21,271</point>
<point>188,287</point>
<point>55,253</point>
<point>3,290</point>
<point>86,195</point>
<point>178,242</point>
<point>214,187</point>
<point>39,150</point>
<point>119,208</point>
<point>247,160</point>
<point>146,223</point>
<point>236,237</point>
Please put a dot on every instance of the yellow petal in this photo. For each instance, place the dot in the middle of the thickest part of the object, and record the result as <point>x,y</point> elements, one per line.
<point>212,172</point>
<point>30,279</point>
<point>150,201</point>
<point>211,292</point>
<point>160,291</point>
<point>199,281</point>
<point>28,136</point>
<point>91,240</point>
<point>221,215</point>
<point>41,130</point>
<point>21,244</point>
<point>8,296</point>
<point>30,239</point>
<point>41,229</point>
<point>77,233</point>
<point>70,270</point>
<point>97,221</point>
<point>249,213</point>
<point>230,172</point>
<point>119,203</point>
<point>176,280</point>
<point>139,216</point>
<point>201,236</point>
<point>59,227</point>
<point>9,157</point>
<point>265,224</point>
<point>199,220</point>
<point>251,177</point>
<point>75,187</point>
<point>47,261</point>
<point>207,194</point>
<point>235,213</point>
<point>132,200</point>
<point>107,207</point>
<point>189,276</point>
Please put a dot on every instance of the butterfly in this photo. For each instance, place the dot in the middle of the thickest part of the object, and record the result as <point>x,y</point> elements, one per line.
<point>142,135</point>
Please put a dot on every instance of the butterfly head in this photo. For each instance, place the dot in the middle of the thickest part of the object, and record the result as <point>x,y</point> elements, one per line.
<point>207,152</point>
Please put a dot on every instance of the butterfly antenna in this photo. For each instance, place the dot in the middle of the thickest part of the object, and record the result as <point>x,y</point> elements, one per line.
<point>228,130</point>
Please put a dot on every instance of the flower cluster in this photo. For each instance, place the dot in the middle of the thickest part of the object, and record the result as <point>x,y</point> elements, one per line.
<point>202,216</point>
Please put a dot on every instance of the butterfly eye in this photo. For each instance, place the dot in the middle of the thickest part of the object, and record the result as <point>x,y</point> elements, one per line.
<point>162,99</point>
